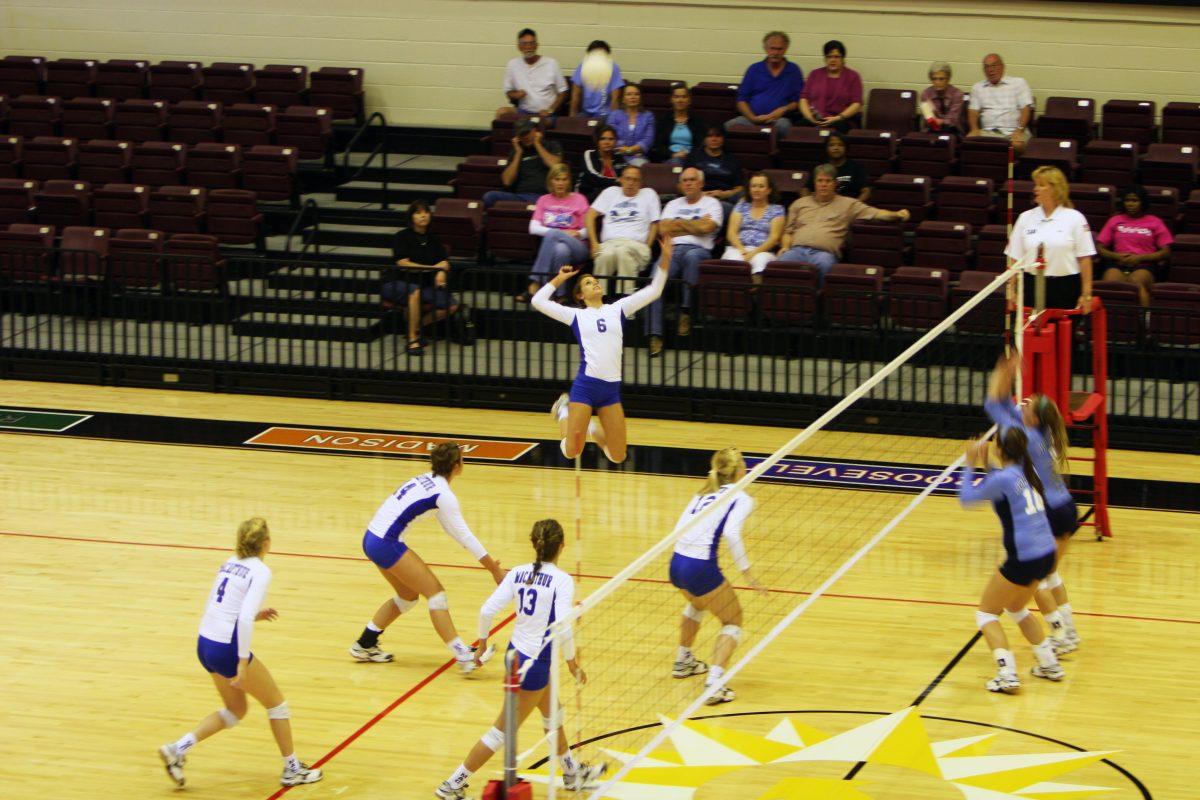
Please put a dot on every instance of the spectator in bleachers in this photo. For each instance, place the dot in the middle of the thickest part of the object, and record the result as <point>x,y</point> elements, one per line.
<point>756,226</point>
<point>533,84</point>
<point>1001,105</point>
<point>722,172</point>
<point>692,221</point>
<point>833,94</point>
<point>634,126</point>
<point>678,132</point>
<point>942,101</point>
<point>420,277</point>
<point>770,89</point>
<point>817,225</point>
<point>1064,238</point>
<point>528,165</point>
<point>852,177</point>
<point>630,215</point>
<point>558,218</point>
<point>602,165</point>
<point>1133,243</point>
<point>595,103</point>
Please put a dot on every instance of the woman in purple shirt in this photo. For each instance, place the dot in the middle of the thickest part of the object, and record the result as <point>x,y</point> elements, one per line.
<point>942,101</point>
<point>832,95</point>
<point>634,126</point>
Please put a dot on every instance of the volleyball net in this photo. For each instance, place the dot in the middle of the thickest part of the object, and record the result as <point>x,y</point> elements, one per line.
<point>822,502</point>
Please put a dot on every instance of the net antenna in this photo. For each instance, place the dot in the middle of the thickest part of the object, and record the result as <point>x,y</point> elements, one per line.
<point>644,592</point>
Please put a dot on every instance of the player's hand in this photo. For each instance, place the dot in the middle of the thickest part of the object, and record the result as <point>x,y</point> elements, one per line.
<point>266,615</point>
<point>976,452</point>
<point>567,270</point>
<point>579,675</point>
<point>753,583</point>
<point>498,574</point>
<point>480,649</point>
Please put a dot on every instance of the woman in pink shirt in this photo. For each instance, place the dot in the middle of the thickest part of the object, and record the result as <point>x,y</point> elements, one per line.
<point>832,94</point>
<point>558,218</point>
<point>1133,242</point>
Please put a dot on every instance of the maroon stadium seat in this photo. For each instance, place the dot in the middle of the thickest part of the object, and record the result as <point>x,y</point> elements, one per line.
<point>508,236</point>
<point>25,255</point>
<point>270,171</point>
<point>70,77</point>
<point>135,258</point>
<point>178,209</point>
<point>194,121</point>
<point>214,165</point>
<point>458,222</point>
<point>1068,118</point>
<point>983,157</point>
<point>715,101</point>
<point>879,243</point>
<point>987,317</point>
<point>157,163</point>
<point>1170,165</point>
<point>723,292</point>
<point>305,128</point>
<point>917,297</point>
<point>662,178</point>
<point>339,89</point>
<point>197,265</point>
<point>103,161</point>
<point>88,117</point>
<point>50,158</point>
<point>121,79</point>
<point>1061,153</point>
<point>853,295</point>
<point>63,203</point>
<point>249,124</point>
<point>874,149</point>
<point>895,191</point>
<point>789,292</point>
<point>1185,259</point>
<point>31,115</point>
<point>16,200</point>
<point>966,199</point>
<point>477,175</point>
<point>1123,309</point>
<point>22,75</point>
<point>1129,121</point>
<point>1181,123</point>
<point>140,120</point>
<point>1096,201</point>
<point>228,82</point>
<point>175,80</point>
<point>280,85</point>
<point>1104,161</point>
<point>943,245</point>
<point>989,249</point>
<point>932,154</point>
<point>802,148</point>
<point>790,184</point>
<point>11,161</point>
<point>752,145</point>
<point>233,216</point>
<point>84,252</point>
<point>893,110</point>
<point>120,205</point>
<point>1175,314</point>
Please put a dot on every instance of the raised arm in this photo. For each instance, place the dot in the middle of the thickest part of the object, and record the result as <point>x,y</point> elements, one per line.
<point>542,302</point>
<point>648,294</point>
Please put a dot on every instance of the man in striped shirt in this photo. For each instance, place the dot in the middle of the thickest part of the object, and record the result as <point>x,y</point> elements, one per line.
<point>1001,105</point>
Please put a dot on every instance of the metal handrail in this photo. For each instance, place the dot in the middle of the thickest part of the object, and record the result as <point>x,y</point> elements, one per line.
<point>298,224</point>
<point>380,149</point>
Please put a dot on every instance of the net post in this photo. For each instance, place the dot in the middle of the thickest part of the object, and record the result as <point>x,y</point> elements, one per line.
<point>556,718</point>
<point>512,689</point>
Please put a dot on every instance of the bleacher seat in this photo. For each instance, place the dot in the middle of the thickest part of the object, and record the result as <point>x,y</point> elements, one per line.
<point>1190,223</point>
<point>1129,121</point>
<point>10,156</point>
<point>1170,165</point>
<point>924,153</point>
<point>507,229</point>
<point>1068,118</point>
<point>1104,161</point>
<point>1175,314</point>
<point>157,163</point>
<point>662,178</point>
<point>120,205</point>
<point>249,124</point>
<point>121,79</point>
<point>25,254</point>
<point>84,253</point>
<point>917,297</point>
<point>477,175</point>
<point>893,110</point>
<point>656,93</point>
<point>723,291</point>
<point>1122,307</point>
<point>943,245</point>
<point>575,135</point>
<point>22,75</point>
<point>3,113</point>
<point>715,101</point>
<point>458,223</point>
<point>174,81</point>
<point>194,121</point>
<point>983,157</point>
<point>1096,201</point>
<point>1039,152</point>
<point>140,120</point>
<point>50,158</point>
<point>70,77</point>
<point>88,118</point>
<point>853,295</point>
<point>879,243</point>
<point>305,128</point>
<point>790,184</point>
<point>16,200</point>
<point>270,171</point>
<point>135,258</point>
<point>194,263</point>
<point>752,145</point>
<point>178,209</point>
<point>280,85</point>
<point>802,148</point>
<point>103,161</point>
<point>874,149</point>
<point>61,203</point>
<point>965,199</point>
<point>340,89</point>
<point>34,115</point>
<point>987,317</point>
<point>789,293</point>
<point>1181,123</point>
<point>912,192</point>
<point>214,165</point>
<point>1185,259</point>
<point>1162,202</point>
<point>228,82</point>
<point>989,249</point>
<point>233,216</point>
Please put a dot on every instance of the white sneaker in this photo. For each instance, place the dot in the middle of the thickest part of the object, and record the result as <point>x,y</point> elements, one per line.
<point>447,792</point>
<point>1005,682</point>
<point>722,695</point>
<point>1053,672</point>
<point>361,653</point>
<point>305,774</point>
<point>559,405</point>
<point>584,777</point>
<point>686,669</point>
<point>1062,645</point>
<point>173,762</point>
<point>1072,636</point>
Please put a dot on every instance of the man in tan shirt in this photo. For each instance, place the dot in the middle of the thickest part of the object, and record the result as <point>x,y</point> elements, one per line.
<point>817,225</point>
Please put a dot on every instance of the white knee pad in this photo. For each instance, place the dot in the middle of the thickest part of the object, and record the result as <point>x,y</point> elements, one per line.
<point>1017,616</point>
<point>228,717</point>
<point>983,618</point>
<point>1053,581</point>
<point>555,720</point>
<point>404,605</point>
<point>280,711</point>
<point>732,631</point>
<point>692,613</point>
<point>439,602</point>
<point>494,740</point>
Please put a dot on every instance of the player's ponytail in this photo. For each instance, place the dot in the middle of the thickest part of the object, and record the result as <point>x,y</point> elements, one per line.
<point>252,536</point>
<point>725,464</point>
<point>444,458</point>
<point>1054,428</point>
<point>1014,448</point>
<point>547,540</point>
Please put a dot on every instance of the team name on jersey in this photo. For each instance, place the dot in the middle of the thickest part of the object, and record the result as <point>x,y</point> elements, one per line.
<point>237,570</point>
<point>424,481</point>
<point>541,579</point>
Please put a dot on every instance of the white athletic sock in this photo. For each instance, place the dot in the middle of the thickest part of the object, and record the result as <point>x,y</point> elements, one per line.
<point>683,654</point>
<point>371,626</point>
<point>569,763</point>
<point>185,743</point>
<point>459,648</point>
<point>1055,620</point>
<point>1067,617</point>
<point>291,763</point>
<point>459,777</point>
<point>1005,661</point>
<point>714,675</point>
<point>1044,652</point>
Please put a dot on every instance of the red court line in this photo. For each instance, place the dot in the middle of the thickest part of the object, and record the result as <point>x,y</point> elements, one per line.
<point>394,705</point>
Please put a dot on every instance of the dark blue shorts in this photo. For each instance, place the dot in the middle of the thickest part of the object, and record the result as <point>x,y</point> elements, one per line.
<point>383,552</point>
<point>695,576</point>
<point>1023,573</point>
<point>1064,520</point>
<point>595,392</point>
<point>538,675</point>
<point>219,657</point>
<point>397,292</point>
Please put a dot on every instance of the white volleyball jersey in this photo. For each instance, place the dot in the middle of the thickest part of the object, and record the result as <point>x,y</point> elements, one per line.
<point>599,331</point>
<point>703,540</point>
<point>541,601</point>
<point>236,597</point>
<point>426,492</point>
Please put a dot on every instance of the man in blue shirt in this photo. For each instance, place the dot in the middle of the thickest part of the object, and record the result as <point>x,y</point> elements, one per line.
<point>770,89</point>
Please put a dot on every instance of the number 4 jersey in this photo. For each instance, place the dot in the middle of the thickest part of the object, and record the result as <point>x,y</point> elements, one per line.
<point>236,597</point>
<point>540,599</point>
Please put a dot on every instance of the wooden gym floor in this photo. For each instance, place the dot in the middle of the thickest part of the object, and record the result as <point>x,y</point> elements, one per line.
<point>108,550</point>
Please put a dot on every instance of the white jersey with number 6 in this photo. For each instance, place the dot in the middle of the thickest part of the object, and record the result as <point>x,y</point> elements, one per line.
<point>548,597</point>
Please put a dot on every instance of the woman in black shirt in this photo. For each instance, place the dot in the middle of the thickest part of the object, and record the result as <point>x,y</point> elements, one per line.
<point>420,279</point>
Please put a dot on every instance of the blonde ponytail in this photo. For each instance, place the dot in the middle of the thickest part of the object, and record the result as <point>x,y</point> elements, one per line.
<point>725,464</point>
<point>251,536</point>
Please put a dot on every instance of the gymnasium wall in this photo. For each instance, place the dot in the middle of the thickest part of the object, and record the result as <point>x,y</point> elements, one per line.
<point>441,62</point>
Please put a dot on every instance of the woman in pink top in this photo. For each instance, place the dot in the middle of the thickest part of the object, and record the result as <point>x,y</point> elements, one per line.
<point>558,218</point>
<point>1133,242</point>
<point>832,94</point>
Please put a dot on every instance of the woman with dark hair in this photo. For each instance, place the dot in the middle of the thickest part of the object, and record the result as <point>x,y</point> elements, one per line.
<point>634,126</point>
<point>852,178</point>
<point>832,95</point>
<point>602,164</point>
<point>678,132</point>
<point>418,253</point>
<point>1134,243</point>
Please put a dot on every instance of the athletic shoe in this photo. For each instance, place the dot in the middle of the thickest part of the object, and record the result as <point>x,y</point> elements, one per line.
<point>1062,645</point>
<point>1053,672</point>
<point>1072,636</point>
<point>173,763</point>
<point>583,777</point>
<point>686,669</point>
<point>305,774</point>
<point>361,653</point>
<point>447,792</point>
<point>466,664</point>
<point>722,695</point>
<point>1004,682</point>
<point>559,405</point>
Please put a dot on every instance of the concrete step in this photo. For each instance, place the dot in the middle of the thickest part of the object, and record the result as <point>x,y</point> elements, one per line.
<point>372,192</point>
<point>324,327</point>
